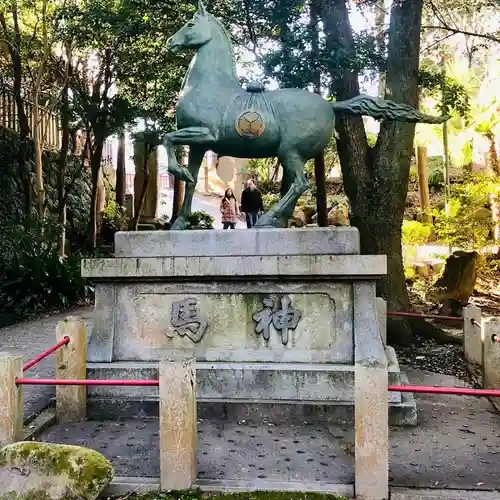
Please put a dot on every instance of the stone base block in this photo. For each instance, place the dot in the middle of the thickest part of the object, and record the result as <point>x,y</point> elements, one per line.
<point>300,382</point>
<point>278,392</point>
<point>402,414</point>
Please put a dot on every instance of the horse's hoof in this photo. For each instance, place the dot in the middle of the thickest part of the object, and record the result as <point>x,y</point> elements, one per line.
<point>267,220</point>
<point>179,224</point>
<point>181,173</point>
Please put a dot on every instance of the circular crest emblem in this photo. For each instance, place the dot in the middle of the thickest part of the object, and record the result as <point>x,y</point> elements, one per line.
<point>250,125</point>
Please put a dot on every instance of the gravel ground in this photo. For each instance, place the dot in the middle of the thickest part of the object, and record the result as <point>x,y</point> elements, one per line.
<point>445,359</point>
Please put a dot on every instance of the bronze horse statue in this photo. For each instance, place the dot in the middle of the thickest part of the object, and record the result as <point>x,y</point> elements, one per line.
<point>215,113</point>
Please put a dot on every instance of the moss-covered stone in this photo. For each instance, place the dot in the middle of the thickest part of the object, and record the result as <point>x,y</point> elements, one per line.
<point>48,471</point>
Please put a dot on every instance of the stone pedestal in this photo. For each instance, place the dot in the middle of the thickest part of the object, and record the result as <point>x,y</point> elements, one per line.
<point>269,315</point>
<point>283,325</point>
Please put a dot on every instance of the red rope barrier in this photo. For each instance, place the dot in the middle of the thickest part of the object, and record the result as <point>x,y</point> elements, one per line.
<point>427,316</point>
<point>456,391</point>
<point>45,353</point>
<point>55,381</point>
<point>423,389</point>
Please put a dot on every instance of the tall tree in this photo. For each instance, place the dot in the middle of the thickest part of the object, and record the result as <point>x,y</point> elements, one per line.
<point>376,179</point>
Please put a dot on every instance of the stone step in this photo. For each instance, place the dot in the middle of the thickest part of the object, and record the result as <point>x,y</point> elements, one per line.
<point>403,414</point>
<point>300,382</point>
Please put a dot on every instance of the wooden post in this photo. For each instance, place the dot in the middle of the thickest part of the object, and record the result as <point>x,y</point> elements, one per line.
<point>11,399</point>
<point>423,183</point>
<point>71,364</point>
<point>178,428</point>
<point>473,335</point>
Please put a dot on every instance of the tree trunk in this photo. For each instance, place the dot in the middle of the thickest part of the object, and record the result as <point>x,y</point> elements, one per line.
<point>144,188</point>
<point>178,198</point>
<point>376,180</point>
<point>319,173</point>
<point>494,165</point>
<point>61,174</point>
<point>423,183</point>
<point>37,143</point>
<point>24,128</point>
<point>95,165</point>
<point>319,161</point>
<point>178,185</point>
<point>120,170</point>
<point>379,18</point>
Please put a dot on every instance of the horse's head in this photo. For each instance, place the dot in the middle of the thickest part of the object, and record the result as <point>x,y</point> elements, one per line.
<point>194,33</point>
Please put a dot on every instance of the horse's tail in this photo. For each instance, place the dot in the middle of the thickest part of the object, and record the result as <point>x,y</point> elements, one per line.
<point>380,109</point>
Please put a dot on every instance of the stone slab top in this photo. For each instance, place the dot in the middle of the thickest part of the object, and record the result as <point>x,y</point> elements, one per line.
<point>302,267</point>
<point>239,242</point>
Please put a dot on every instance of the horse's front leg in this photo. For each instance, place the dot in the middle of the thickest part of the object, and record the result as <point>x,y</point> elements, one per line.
<point>189,136</point>
<point>196,154</point>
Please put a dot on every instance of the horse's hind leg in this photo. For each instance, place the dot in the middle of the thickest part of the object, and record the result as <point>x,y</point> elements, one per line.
<point>278,216</point>
<point>196,155</point>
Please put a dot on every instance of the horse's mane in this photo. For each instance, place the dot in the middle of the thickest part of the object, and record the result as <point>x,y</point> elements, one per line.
<point>228,38</point>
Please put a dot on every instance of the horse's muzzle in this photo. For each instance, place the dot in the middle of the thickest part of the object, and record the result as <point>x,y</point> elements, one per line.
<point>172,46</point>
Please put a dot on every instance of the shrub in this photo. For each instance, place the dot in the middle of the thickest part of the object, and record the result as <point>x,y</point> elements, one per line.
<point>269,199</point>
<point>415,233</point>
<point>114,219</point>
<point>200,220</point>
<point>436,177</point>
<point>468,224</point>
<point>34,278</point>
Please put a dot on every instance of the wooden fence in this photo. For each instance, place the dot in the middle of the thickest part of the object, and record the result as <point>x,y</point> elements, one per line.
<point>49,121</point>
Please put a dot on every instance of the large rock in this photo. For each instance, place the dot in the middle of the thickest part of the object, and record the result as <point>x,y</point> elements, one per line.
<point>456,285</point>
<point>47,471</point>
<point>338,216</point>
<point>298,218</point>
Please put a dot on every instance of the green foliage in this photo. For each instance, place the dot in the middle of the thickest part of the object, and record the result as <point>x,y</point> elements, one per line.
<point>371,138</point>
<point>413,174</point>
<point>261,169</point>
<point>200,220</point>
<point>34,278</point>
<point>269,200</point>
<point>436,177</point>
<point>469,223</point>
<point>78,186</point>
<point>337,200</point>
<point>114,219</point>
<point>11,196</point>
<point>415,233</point>
<point>453,96</point>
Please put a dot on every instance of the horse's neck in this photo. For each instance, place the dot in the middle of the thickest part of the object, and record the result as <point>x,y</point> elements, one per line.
<point>213,65</point>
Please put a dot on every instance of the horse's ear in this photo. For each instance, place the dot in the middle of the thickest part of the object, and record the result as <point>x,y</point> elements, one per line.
<point>201,8</point>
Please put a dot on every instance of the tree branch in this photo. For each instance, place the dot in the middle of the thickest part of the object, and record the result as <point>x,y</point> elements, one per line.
<point>455,31</point>
<point>432,45</point>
